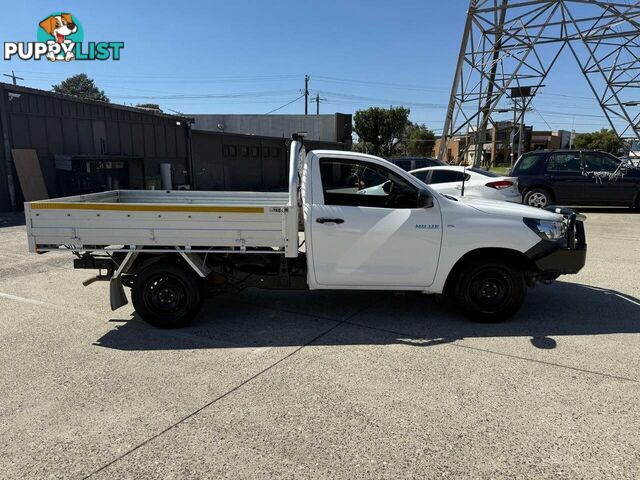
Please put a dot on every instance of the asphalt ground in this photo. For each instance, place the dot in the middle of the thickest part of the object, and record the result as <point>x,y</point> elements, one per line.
<point>322,384</point>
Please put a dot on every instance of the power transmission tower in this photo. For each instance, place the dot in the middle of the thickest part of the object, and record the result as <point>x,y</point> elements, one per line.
<point>510,44</point>
<point>13,77</point>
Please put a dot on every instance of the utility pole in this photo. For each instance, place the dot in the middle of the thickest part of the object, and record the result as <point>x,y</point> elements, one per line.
<point>306,94</point>
<point>573,133</point>
<point>13,77</point>
<point>494,138</point>
<point>318,99</point>
<point>521,129</point>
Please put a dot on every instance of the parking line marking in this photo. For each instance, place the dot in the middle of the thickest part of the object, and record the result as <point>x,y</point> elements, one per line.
<point>41,303</point>
<point>23,299</point>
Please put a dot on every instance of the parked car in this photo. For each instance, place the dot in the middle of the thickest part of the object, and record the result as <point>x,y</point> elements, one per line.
<point>412,163</point>
<point>478,182</point>
<point>448,180</point>
<point>573,177</point>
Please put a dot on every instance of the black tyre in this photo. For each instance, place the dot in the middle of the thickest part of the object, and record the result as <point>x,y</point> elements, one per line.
<point>537,197</point>
<point>166,295</point>
<point>490,290</point>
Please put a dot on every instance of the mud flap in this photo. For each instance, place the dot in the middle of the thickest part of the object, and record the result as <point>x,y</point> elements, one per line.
<point>116,293</point>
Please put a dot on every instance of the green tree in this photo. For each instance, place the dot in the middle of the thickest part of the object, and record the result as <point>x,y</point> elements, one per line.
<point>381,128</point>
<point>150,106</point>
<point>605,140</point>
<point>419,141</point>
<point>81,86</point>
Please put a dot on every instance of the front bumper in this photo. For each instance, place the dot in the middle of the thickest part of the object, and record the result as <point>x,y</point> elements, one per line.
<point>559,258</point>
<point>562,261</point>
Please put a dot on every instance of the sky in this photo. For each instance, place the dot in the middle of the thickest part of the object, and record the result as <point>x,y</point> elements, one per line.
<point>251,56</point>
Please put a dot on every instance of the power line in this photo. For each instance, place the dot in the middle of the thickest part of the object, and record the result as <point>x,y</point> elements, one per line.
<point>543,119</point>
<point>374,83</point>
<point>387,101</point>
<point>282,106</point>
<point>206,95</point>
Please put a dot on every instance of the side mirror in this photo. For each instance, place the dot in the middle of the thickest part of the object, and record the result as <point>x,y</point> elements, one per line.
<point>386,186</point>
<point>425,200</point>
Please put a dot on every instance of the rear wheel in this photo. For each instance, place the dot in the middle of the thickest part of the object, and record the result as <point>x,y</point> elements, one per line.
<point>537,197</point>
<point>490,290</point>
<point>166,295</point>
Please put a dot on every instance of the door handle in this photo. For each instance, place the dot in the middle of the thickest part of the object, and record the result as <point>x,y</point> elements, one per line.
<point>329,220</point>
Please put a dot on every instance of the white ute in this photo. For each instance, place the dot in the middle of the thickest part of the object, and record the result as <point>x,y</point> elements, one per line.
<point>174,248</point>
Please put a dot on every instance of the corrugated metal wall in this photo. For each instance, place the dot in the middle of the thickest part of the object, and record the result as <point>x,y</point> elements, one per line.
<point>57,124</point>
<point>227,161</point>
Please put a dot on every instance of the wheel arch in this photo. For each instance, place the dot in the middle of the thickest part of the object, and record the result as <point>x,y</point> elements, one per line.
<point>541,186</point>
<point>514,256</point>
<point>146,259</point>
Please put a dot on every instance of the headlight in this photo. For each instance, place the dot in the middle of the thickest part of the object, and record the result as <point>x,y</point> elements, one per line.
<point>547,229</point>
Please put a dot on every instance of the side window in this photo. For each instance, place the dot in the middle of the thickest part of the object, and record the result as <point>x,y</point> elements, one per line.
<point>564,162</point>
<point>422,176</point>
<point>598,162</point>
<point>361,184</point>
<point>445,176</point>
<point>528,164</point>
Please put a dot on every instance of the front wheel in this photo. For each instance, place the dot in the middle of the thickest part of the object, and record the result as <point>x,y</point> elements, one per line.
<point>166,295</point>
<point>490,290</point>
<point>537,197</point>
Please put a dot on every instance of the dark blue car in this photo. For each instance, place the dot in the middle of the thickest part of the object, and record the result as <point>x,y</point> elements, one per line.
<point>412,163</point>
<point>576,177</point>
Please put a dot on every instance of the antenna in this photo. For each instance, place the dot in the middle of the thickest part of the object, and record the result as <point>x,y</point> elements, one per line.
<point>464,178</point>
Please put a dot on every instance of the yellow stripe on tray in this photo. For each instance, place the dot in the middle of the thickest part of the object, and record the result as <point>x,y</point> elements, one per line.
<point>130,207</point>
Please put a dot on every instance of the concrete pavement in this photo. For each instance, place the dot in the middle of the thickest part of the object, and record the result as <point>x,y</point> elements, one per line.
<point>323,384</point>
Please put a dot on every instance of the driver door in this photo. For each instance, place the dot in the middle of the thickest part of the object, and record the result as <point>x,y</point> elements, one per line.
<point>366,227</point>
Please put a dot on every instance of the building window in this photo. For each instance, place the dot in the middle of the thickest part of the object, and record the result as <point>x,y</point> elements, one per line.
<point>265,151</point>
<point>255,151</point>
<point>229,150</point>
<point>244,151</point>
<point>275,152</point>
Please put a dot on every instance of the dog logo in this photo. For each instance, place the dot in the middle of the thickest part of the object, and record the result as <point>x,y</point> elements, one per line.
<point>60,37</point>
<point>60,27</point>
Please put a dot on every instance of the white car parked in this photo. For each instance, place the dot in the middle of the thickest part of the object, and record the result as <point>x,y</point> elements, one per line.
<point>479,183</point>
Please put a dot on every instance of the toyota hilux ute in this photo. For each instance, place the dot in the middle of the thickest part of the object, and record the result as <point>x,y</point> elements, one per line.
<point>174,248</point>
